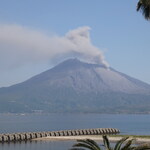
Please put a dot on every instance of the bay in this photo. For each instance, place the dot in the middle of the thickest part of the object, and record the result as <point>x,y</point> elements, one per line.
<point>9,123</point>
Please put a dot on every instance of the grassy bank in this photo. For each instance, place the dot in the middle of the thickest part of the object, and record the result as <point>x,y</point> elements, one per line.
<point>132,136</point>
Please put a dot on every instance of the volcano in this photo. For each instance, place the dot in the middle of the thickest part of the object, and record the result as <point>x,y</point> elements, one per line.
<point>76,86</point>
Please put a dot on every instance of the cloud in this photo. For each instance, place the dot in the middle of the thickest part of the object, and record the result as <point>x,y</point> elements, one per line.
<point>20,45</point>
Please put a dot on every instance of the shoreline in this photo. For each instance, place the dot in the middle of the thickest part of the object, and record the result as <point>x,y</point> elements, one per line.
<point>138,140</point>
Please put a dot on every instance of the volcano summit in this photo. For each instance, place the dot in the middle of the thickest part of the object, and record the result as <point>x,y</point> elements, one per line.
<point>76,86</point>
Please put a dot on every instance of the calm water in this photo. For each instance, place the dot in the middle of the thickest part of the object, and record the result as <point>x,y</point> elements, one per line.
<point>128,124</point>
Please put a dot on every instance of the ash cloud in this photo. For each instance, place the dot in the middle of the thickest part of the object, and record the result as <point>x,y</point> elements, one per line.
<point>20,45</point>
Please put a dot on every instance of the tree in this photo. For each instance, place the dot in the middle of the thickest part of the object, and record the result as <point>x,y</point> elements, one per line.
<point>88,143</point>
<point>144,7</point>
<point>122,144</point>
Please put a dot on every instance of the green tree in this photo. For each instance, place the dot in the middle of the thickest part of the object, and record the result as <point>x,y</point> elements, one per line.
<point>144,7</point>
<point>88,144</point>
<point>122,144</point>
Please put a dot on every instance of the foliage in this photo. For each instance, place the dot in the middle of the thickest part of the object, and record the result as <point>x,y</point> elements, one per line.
<point>88,143</point>
<point>144,6</point>
<point>123,144</point>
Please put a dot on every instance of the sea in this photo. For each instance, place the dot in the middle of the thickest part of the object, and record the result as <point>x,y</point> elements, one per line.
<point>136,124</point>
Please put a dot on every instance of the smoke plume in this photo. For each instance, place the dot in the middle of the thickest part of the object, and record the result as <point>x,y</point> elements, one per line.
<point>20,45</point>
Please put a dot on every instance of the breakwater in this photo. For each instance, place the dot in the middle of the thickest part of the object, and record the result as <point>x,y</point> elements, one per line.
<point>14,137</point>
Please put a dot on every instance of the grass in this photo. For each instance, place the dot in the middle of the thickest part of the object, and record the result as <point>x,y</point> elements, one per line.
<point>132,136</point>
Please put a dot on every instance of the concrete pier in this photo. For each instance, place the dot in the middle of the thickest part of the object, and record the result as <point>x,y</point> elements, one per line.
<point>14,137</point>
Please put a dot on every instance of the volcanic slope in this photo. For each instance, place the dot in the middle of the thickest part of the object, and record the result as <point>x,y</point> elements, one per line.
<point>76,86</point>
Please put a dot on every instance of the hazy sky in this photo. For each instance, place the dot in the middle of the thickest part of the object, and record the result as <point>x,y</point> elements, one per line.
<point>36,34</point>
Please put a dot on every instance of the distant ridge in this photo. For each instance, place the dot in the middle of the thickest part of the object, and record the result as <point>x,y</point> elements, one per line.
<point>76,86</point>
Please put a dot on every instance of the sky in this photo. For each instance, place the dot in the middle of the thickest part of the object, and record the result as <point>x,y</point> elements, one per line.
<point>36,35</point>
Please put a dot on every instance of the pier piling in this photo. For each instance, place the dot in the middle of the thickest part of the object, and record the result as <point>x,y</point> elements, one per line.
<point>14,137</point>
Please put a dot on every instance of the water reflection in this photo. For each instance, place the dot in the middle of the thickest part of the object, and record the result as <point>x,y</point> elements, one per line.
<point>37,145</point>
